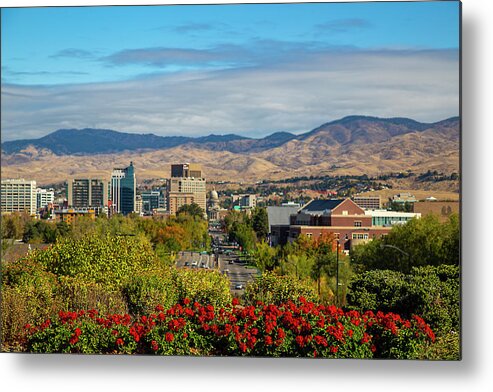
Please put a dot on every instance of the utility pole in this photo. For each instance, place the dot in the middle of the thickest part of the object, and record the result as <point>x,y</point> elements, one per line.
<point>337,274</point>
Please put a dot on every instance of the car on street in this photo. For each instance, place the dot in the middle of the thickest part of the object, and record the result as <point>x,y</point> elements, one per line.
<point>239,287</point>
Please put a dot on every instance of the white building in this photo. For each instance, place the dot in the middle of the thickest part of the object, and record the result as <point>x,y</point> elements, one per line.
<point>18,195</point>
<point>390,218</point>
<point>44,197</point>
<point>245,201</point>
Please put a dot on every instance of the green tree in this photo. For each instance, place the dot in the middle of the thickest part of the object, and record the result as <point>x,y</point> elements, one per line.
<point>193,210</point>
<point>419,242</point>
<point>260,223</point>
<point>265,256</point>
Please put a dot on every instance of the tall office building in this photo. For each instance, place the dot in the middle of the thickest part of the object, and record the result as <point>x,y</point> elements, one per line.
<point>123,190</point>
<point>186,186</point>
<point>87,193</point>
<point>18,195</point>
<point>44,197</point>
<point>150,201</point>
<point>186,170</point>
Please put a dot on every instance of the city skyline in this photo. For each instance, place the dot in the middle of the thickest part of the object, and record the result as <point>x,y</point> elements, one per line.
<point>245,69</point>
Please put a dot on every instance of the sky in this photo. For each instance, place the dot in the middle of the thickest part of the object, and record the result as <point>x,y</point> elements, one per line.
<point>250,69</point>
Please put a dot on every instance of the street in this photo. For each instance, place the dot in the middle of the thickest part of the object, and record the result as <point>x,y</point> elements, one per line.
<point>229,264</point>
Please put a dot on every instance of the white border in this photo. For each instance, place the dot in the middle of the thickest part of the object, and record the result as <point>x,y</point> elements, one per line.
<point>80,373</point>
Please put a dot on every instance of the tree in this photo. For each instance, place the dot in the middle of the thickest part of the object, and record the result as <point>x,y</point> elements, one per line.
<point>260,223</point>
<point>419,242</point>
<point>265,256</point>
<point>193,210</point>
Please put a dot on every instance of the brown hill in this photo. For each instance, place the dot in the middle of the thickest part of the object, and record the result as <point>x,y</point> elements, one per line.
<point>354,145</point>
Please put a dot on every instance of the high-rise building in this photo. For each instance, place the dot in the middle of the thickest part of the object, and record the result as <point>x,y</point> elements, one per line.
<point>87,193</point>
<point>123,190</point>
<point>193,170</point>
<point>44,197</point>
<point>18,195</point>
<point>186,186</point>
<point>368,202</point>
<point>150,201</point>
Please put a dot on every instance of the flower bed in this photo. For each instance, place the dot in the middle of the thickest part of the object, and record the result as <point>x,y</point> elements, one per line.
<point>301,329</point>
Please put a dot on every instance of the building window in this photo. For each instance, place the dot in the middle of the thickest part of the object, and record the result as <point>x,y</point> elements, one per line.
<point>360,236</point>
<point>344,212</point>
<point>309,235</point>
<point>357,223</point>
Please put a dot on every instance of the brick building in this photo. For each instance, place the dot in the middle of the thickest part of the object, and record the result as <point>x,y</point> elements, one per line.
<point>342,218</point>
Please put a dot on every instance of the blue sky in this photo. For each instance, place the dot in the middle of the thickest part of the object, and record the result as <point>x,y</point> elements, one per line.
<point>248,69</point>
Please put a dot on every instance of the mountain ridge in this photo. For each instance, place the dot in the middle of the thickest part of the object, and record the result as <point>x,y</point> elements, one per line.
<point>354,129</point>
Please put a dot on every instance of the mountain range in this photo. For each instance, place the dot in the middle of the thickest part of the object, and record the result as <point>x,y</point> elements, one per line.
<point>351,145</point>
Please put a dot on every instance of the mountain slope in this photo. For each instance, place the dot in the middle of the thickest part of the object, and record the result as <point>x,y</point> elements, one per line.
<point>353,145</point>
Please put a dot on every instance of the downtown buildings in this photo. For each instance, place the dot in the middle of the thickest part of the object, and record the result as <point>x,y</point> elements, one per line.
<point>123,190</point>
<point>19,195</point>
<point>186,186</point>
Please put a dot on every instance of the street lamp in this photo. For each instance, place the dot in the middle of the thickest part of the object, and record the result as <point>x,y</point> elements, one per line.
<point>401,251</point>
<point>337,273</point>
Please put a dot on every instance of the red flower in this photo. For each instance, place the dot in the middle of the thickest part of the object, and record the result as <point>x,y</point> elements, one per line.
<point>333,349</point>
<point>186,301</point>
<point>154,345</point>
<point>169,337</point>
<point>159,308</point>
<point>268,340</point>
<point>119,341</point>
<point>299,339</point>
<point>77,332</point>
<point>235,301</point>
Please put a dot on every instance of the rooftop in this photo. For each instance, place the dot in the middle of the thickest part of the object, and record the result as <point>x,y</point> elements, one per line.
<point>320,207</point>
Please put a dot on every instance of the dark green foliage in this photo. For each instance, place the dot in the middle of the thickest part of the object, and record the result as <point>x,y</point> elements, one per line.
<point>42,231</point>
<point>192,210</point>
<point>431,292</point>
<point>419,242</point>
<point>260,223</point>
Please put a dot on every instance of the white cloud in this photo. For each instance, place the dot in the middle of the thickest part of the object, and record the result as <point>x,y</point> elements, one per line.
<point>306,91</point>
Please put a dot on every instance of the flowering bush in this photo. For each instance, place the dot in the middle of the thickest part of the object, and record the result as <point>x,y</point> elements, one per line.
<point>292,329</point>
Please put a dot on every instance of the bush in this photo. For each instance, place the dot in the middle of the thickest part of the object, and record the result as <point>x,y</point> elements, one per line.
<point>169,285</point>
<point>28,296</point>
<point>148,289</point>
<point>110,260</point>
<point>79,294</point>
<point>275,289</point>
<point>301,329</point>
<point>432,292</point>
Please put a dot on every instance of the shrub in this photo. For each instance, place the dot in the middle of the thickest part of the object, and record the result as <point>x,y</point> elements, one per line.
<point>148,289</point>
<point>167,286</point>
<point>109,260</point>
<point>275,289</point>
<point>432,292</point>
<point>301,329</point>
<point>28,296</point>
<point>79,294</point>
